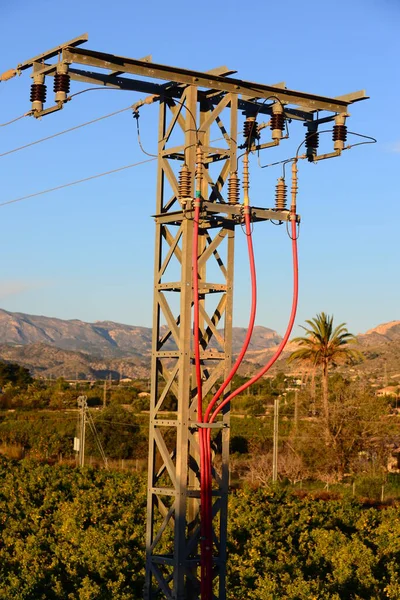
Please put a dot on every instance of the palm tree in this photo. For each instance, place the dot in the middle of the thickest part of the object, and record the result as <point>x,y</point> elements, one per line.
<point>325,346</point>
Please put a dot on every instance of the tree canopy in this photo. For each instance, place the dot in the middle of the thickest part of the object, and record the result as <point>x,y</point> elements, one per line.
<point>14,374</point>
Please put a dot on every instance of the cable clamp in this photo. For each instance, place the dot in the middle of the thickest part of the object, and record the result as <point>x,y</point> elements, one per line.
<point>216,425</point>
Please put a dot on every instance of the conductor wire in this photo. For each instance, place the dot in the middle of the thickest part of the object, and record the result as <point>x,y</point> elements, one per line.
<point>136,116</point>
<point>28,114</point>
<point>94,89</point>
<point>71,183</point>
<point>368,137</point>
<point>54,135</point>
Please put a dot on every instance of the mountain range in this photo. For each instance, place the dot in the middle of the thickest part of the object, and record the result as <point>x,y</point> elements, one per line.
<point>52,347</point>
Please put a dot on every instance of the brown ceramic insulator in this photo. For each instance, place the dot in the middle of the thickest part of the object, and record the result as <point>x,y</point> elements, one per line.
<point>312,140</point>
<point>62,82</point>
<point>280,194</point>
<point>339,133</point>
<point>277,121</point>
<point>38,92</point>
<point>199,164</point>
<point>311,143</point>
<point>250,129</point>
<point>233,188</point>
<point>185,183</point>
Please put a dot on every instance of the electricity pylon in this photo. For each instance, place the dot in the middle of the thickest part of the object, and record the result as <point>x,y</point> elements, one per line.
<point>194,107</point>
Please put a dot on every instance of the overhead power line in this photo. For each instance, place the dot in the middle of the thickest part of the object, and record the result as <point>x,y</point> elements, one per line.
<point>54,135</point>
<point>28,114</point>
<point>71,183</point>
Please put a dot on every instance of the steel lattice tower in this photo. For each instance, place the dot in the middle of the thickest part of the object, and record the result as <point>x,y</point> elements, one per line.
<point>193,106</point>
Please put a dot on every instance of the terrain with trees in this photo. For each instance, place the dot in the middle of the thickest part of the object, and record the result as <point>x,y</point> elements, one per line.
<point>79,534</point>
<point>329,528</point>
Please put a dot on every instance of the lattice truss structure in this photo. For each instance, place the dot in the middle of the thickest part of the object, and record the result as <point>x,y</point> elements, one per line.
<point>196,109</point>
<point>173,532</point>
<point>173,501</point>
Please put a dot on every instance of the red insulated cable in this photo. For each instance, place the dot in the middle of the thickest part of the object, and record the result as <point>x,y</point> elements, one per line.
<point>196,334</point>
<point>208,531</point>
<point>250,328</point>
<point>196,312</point>
<point>283,343</point>
<point>207,479</point>
<point>203,514</point>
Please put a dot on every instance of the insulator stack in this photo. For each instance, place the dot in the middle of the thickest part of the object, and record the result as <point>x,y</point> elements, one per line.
<point>185,183</point>
<point>246,179</point>
<point>199,169</point>
<point>277,124</point>
<point>38,95</point>
<point>312,143</point>
<point>280,194</point>
<point>295,186</point>
<point>233,188</point>
<point>38,92</point>
<point>339,133</point>
<point>62,82</point>
<point>250,130</point>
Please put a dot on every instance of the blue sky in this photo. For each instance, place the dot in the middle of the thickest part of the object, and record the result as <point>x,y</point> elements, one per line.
<point>87,252</point>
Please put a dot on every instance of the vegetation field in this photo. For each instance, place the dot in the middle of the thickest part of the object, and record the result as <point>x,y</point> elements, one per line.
<point>79,534</point>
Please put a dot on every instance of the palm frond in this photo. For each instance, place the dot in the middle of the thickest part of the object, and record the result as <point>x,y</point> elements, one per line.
<point>324,344</point>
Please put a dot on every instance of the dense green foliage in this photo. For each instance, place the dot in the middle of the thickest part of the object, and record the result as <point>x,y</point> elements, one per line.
<point>69,534</point>
<point>79,534</point>
<point>284,547</point>
<point>48,434</point>
<point>20,391</point>
<point>14,374</point>
<point>362,428</point>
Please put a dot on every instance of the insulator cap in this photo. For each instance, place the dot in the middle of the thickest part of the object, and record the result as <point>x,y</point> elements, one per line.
<point>62,82</point>
<point>38,92</point>
<point>339,133</point>
<point>233,188</point>
<point>280,194</point>
<point>185,183</point>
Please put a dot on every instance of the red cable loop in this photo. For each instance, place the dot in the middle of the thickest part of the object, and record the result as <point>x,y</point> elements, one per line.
<point>283,343</point>
<point>202,436</point>
<point>205,436</point>
<point>196,318</point>
<point>251,320</point>
<point>205,433</point>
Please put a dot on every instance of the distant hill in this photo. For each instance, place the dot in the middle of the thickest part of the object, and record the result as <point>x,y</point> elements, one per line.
<point>380,335</point>
<point>51,362</point>
<point>380,347</point>
<point>55,347</point>
<point>52,347</point>
<point>103,338</point>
